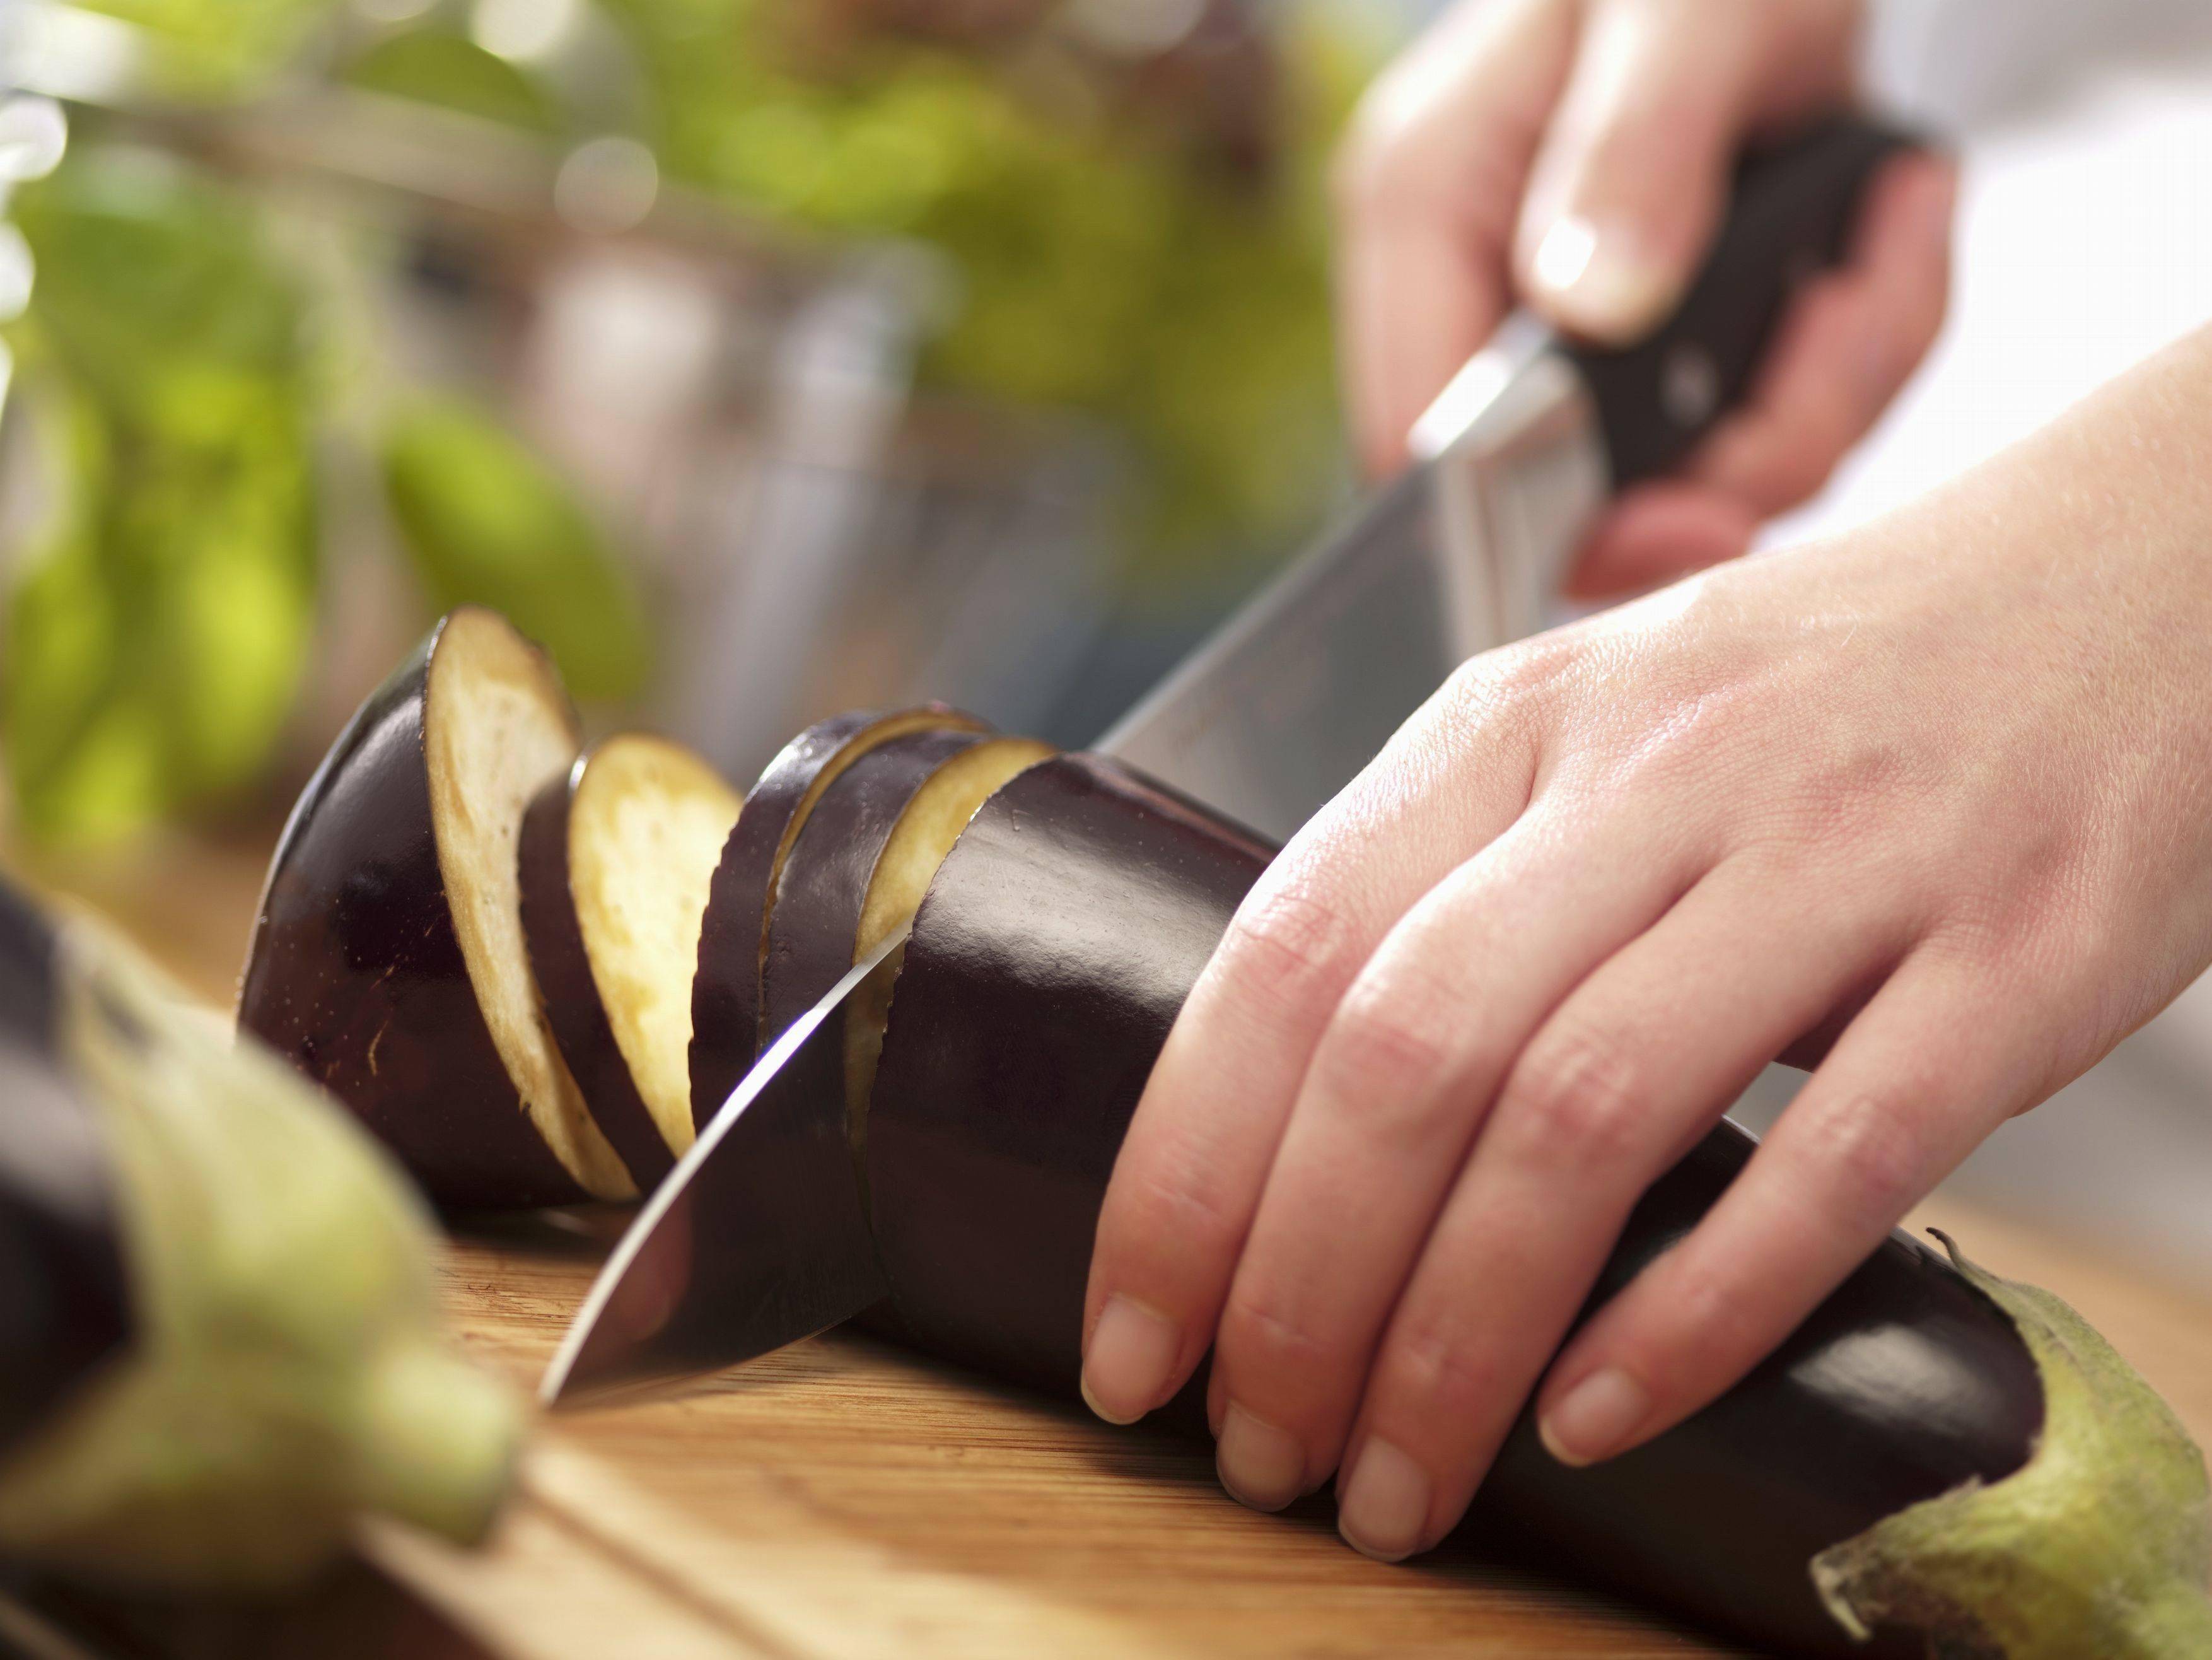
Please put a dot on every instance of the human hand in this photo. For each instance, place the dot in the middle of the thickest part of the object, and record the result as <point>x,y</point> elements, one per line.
<point>1578,153</point>
<point>1932,800</point>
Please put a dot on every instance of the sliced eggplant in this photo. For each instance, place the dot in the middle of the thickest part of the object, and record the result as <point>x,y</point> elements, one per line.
<point>616,857</point>
<point>859,867</point>
<point>1054,948</point>
<point>925,834</point>
<point>388,962</point>
<point>726,992</point>
<point>219,1313</point>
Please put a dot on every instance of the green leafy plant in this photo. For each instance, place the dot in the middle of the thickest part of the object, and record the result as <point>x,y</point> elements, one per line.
<point>156,637</point>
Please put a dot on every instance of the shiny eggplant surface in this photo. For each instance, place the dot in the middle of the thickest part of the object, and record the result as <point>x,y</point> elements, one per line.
<point>65,1305</point>
<point>726,990</point>
<point>825,881</point>
<point>573,1005</point>
<point>356,975</point>
<point>1047,965</point>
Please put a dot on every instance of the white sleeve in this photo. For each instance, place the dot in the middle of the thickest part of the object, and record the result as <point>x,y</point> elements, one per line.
<point>1953,65</point>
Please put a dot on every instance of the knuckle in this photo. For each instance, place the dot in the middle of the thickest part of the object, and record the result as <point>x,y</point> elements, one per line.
<point>1869,1154</point>
<point>1384,1048</point>
<point>1576,1097</point>
<point>1264,1338</point>
<point>1179,1199</point>
<point>1290,946</point>
<point>1707,1319</point>
<point>1437,1372</point>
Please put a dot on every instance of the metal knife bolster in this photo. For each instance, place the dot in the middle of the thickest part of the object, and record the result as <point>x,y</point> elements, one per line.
<point>1517,465</point>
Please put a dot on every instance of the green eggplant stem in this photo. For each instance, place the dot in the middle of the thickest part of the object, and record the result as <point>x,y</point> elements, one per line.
<point>288,1372</point>
<point>2100,1545</point>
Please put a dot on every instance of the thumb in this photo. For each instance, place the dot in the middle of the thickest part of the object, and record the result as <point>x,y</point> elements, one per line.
<point>1629,181</point>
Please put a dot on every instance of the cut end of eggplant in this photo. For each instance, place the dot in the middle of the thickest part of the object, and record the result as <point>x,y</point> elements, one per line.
<point>934,817</point>
<point>728,1012</point>
<point>497,728</point>
<point>647,826</point>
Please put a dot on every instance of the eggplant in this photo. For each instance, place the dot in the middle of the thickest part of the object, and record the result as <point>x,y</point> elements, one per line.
<point>858,870</point>
<point>388,963</point>
<point>617,854</point>
<point>1050,957</point>
<point>727,1027</point>
<point>221,1312</point>
<point>65,1304</point>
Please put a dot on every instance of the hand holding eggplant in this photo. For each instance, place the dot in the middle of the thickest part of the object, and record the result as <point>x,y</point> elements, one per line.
<point>1925,804</point>
<point>1576,155</point>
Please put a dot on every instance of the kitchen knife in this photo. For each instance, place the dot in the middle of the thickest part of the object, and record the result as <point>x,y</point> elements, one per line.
<point>1467,550</point>
<point>756,1239</point>
<point>759,1236</point>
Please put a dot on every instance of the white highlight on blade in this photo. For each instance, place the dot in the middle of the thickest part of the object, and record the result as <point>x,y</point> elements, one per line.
<point>577,1338</point>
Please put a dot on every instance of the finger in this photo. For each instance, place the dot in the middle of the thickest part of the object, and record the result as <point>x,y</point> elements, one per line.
<point>1657,532</point>
<point>1628,185</point>
<point>1935,1063</point>
<point>1189,1173</point>
<point>1843,351</point>
<point>1638,1061</point>
<point>1396,1088</point>
<point>1845,348</point>
<point>1428,185</point>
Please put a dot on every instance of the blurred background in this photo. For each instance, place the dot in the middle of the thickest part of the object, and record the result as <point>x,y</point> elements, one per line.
<point>764,357</point>
<point>761,357</point>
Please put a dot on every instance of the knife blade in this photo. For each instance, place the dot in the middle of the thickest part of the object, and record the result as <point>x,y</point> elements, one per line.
<point>756,1239</point>
<point>1464,552</point>
<point>760,1237</point>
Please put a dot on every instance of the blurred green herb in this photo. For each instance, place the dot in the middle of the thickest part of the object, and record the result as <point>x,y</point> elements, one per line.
<point>154,642</point>
<point>435,66</point>
<point>1106,263</point>
<point>488,522</point>
<point>216,48</point>
<point>1104,267</point>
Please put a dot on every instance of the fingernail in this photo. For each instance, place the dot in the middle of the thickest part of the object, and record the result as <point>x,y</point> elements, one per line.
<point>1597,1416</point>
<point>1131,1355</point>
<point>1261,1465</point>
<point>1599,280</point>
<point>1385,1508</point>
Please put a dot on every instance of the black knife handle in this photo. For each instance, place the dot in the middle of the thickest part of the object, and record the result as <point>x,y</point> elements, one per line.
<point>1792,209</point>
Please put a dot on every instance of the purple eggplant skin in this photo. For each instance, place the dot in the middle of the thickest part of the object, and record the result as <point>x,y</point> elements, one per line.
<point>816,917</point>
<point>65,1304</point>
<point>355,973</point>
<point>726,990</point>
<point>1047,965</point>
<point>574,1007</point>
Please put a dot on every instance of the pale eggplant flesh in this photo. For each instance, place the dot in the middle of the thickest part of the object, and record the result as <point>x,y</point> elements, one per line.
<point>1050,959</point>
<point>387,961</point>
<point>728,1024</point>
<point>616,857</point>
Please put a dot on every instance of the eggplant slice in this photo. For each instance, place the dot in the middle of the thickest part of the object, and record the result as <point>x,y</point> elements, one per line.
<point>388,961</point>
<point>857,871</point>
<point>617,858</point>
<point>924,835</point>
<point>727,1014</point>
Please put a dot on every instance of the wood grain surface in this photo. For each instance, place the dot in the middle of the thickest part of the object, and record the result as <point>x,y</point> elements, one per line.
<point>843,1499</point>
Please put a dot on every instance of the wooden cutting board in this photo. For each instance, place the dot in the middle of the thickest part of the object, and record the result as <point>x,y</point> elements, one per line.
<point>845,1499</point>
